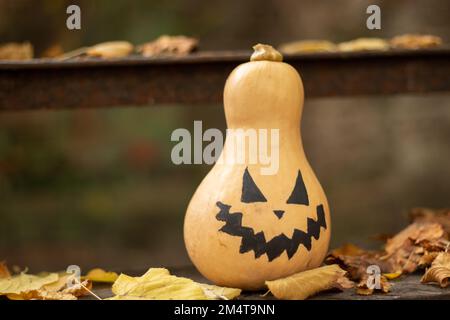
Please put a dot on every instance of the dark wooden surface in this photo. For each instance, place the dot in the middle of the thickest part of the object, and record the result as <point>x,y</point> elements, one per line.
<point>199,78</point>
<point>405,287</point>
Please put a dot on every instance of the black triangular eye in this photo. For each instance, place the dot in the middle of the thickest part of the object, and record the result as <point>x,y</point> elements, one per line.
<point>250,192</point>
<point>299,194</point>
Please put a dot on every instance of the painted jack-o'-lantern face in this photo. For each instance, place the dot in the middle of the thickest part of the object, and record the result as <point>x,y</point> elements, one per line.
<point>256,241</point>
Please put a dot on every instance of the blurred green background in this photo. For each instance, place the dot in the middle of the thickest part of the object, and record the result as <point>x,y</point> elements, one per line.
<point>97,187</point>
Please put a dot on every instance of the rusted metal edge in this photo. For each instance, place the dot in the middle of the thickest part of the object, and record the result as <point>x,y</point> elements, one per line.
<point>199,78</point>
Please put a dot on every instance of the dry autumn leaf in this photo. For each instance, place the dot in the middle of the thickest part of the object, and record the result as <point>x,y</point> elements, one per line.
<point>54,51</point>
<point>439,271</point>
<point>16,51</point>
<point>45,286</point>
<point>24,283</point>
<point>113,49</point>
<point>392,275</point>
<point>100,275</point>
<point>169,45</point>
<point>79,289</point>
<point>416,246</point>
<point>427,259</point>
<point>159,284</point>
<point>4,271</point>
<point>441,216</point>
<point>417,232</point>
<point>363,289</point>
<point>308,46</point>
<point>220,293</point>
<point>52,291</point>
<point>356,261</point>
<point>364,44</point>
<point>415,41</point>
<point>406,249</point>
<point>307,283</point>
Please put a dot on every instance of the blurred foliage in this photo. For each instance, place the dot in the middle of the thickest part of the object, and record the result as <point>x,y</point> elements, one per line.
<point>94,177</point>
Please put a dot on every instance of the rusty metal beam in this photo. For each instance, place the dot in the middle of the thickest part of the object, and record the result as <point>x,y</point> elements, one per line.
<point>199,78</point>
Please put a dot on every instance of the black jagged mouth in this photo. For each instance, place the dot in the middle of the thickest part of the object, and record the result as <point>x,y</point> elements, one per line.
<point>256,242</point>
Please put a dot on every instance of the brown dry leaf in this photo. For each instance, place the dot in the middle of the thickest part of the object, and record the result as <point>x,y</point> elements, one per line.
<point>357,261</point>
<point>344,283</point>
<point>307,283</point>
<point>79,289</point>
<point>405,250</point>
<point>159,284</point>
<point>108,50</point>
<point>427,259</point>
<point>16,51</point>
<point>308,46</point>
<point>4,271</point>
<point>363,289</point>
<point>100,275</point>
<point>169,45</point>
<point>415,41</point>
<point>441,216</point>
<point>417,232</point>
<point>363,44</point>
<point>406,258</point>
<point>439,271</point>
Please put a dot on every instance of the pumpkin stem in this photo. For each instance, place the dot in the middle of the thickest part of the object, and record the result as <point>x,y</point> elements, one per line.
<point>264,52</point>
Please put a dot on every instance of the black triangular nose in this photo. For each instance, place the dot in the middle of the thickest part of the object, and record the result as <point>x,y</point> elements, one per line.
<point>278,213</point>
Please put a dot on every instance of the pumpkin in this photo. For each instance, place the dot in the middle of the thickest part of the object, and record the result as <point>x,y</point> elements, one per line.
<point>243,228</point>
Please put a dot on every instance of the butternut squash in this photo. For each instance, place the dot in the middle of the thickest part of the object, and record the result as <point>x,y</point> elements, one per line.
<point>243,228</point>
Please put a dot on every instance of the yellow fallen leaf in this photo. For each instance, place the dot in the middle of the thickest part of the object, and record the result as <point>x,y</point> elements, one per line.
<point>24,283</point>
<point>159,284</point>
<point>364,44</point>
<point>45,290</point>
<point>113,49</point>
<point>216,292</point>
<point>415,41</point>
<point>60,284</point>
<point>393,275</point>
<point>308,46</point>
<point>16,51</point>
<point>307,283</point>
<point>100,275</point>
<point>439,271</point>
<point>52,291</point>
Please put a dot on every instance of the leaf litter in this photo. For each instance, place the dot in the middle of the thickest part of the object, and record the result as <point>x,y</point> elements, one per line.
<point>423,245</point>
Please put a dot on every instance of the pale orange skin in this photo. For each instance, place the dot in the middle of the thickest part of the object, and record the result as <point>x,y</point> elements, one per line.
<point>259,94</point>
